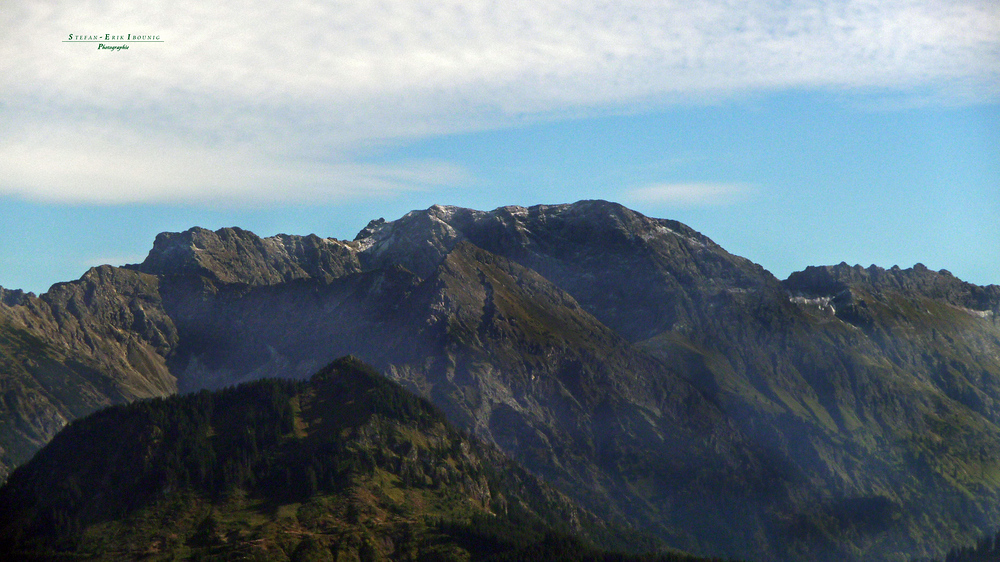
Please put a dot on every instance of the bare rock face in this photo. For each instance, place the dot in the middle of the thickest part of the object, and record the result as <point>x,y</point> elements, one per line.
<point>843,414</point>
<point>915,282</point>
<point>233,255</point>
<point>13,298</point>
<point>82,346</point>
<point>637,275</point>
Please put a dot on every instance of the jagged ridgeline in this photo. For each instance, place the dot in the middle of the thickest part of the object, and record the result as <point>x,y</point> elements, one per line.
<point>845,413</point>
<point>347,464</point>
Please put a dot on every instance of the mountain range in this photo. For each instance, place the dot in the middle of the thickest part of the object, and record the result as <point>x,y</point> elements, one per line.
<point>663,384</point>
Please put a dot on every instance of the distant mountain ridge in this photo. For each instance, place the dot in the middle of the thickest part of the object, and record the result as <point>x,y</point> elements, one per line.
<point>234,255</point>
<point>915,281</point>
<point>630,361</point>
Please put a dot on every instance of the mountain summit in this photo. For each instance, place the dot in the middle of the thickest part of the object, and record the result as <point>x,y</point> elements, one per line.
<point>845,413</point>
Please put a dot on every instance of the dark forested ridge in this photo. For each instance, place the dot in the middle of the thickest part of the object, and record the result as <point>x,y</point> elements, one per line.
<point>346,464</point>
<point>845,413</point>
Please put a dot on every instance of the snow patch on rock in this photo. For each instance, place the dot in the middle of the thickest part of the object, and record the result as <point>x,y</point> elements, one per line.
<point>822,303</point>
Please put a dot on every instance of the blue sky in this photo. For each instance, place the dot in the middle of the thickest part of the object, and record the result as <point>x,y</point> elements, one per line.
<point>795,134</point>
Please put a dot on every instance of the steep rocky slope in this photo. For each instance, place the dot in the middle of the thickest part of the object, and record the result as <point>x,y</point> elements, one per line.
<point>637,275</point>
<point>854,399</point>
<point>233,255</point>
<point>845,413</point>
<point>84,345</point>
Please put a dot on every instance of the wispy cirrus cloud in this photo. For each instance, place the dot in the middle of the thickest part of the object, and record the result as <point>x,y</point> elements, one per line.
<point>244,95</point>
<point>691,194</point>
<point>88,165</point>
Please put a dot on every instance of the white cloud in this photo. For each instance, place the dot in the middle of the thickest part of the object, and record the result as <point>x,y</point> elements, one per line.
<point>112,165</point>
<point>293,91</point>
<point>690,194</point>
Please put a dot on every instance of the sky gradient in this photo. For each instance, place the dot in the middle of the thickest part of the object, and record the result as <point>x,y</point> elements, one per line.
<point>794,133</point>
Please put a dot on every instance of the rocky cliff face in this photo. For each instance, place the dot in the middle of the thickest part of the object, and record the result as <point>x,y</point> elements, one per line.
<point>84,345</point>
<point>844,413</point>
<point>233,255</point>
<point>635,274</point>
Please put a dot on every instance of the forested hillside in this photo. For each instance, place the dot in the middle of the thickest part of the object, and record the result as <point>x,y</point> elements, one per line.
<point>345,464</point>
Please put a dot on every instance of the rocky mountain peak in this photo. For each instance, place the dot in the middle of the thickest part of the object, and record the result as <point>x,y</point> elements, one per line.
<point>234,255</point>
<point>917,281</point>
<point>14,297</point>
<point>421,239</point>
<point>613,260</point>
<point>418,241</point>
